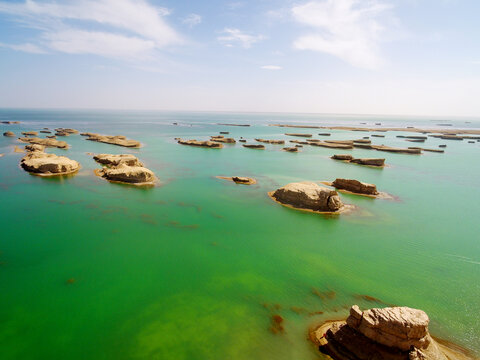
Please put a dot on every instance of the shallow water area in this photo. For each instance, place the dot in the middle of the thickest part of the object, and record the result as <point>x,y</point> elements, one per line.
<point>197,268</point>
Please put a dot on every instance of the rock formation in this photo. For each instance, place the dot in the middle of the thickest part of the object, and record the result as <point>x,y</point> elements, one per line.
<point>34,147</point>
<point>45,142</point>
<point>115,160</point>
<point>343,157</point>
<point>396,150</point>
<point>332,145</point>
<point>41,163</point>
<point>309,196</point>
<point>29,133</point>
<point>208,144</point>
<point>299,135</point>
<point>369,162</point>
<point>290,149</point>
<point>267,141</point>
<point>254,146</point>
<point>119,140</point>
<point>123,173</point>
<point>239,180</point>
<point>393,333</point>
<point>222,139</point>
<point>8,133</point>
<point>355,186</point>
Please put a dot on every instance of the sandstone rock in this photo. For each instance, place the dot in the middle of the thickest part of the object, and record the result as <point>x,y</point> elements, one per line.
<point>8,133</point>
<point>10,122</point>
<point>308,195</point>
<point>299,135</point>
<point>290,149</point>
<point>34,147</point>
<point>29,133</point>
<point>223,139</point>
<point>355,186</point>
<point>254,146</point>
<point>396,150</point>
<point>115,160</point>
<point>332,145</point>
<point>119,140</point>
<point>128,174</point>
<point>345,142</point>
<point>369,162</point>
<point>376,135</point>
<point>41,163</point>
<point>267,141</point>
<point>45,142</point>
<point>208,144</point>
<point>362,141</point>
<point>342,157</point>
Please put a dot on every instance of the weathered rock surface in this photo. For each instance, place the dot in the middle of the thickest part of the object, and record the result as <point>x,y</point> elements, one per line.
<point>34,147</point>
<point>308,195</point>
<point>8,133</point>
<point>45,142</point>
<point>393,333</point>
<point>29,133</point>
<point>115,160</point>
<point>396,150</point>
<point>355,186</point>
<point>128,174</point>
<point>290,149</point>
<point>119,140</point>
<point>369,162</point>
<point>342,157</point>
<point>362,141</point>
<point>222,139</point>
<point>39,162</point>
<point>208,144</point>
<point>268,141</point>
<point>254,146</point>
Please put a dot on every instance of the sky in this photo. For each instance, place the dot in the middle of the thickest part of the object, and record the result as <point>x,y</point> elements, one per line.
<point>402,57</point>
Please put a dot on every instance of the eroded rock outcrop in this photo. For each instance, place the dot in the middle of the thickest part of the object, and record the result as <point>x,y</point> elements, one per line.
<point>123,173</point>
<point>243,180</point>
<point>8,133</point>
<point>45,142</point>
<point>29,133</point>
<point>208,144</point>
<point>392,333</point>
<point>290,149</point>
<point>342,157</point>
<point>308,195</point>
<point>222,139</point>
<point>115,160</point>
<point>369,161</point>
<point>299,135</point>
<point>355,186</point>
<point>119,140</point>
<point>34,147</point>
<point>41,163</point>
<point>254,146</point>
<point>268,141</point>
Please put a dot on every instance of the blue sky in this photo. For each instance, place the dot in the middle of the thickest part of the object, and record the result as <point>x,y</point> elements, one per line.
<point>327,56</point>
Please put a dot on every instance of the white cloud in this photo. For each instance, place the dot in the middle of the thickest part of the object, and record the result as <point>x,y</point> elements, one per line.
<point>27,47</point>
<point>271,67</point>
<point>239,37</point>
<point>348,29</point>
<point>144,24</point>
<point>192,20</point>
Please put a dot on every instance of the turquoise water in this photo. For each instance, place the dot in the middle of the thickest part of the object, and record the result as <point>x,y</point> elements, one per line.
<point>196,267</point>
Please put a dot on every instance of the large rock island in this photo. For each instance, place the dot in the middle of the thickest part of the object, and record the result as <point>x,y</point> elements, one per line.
<point>40,163</point>
<point>124,168</point>
<point>393,333</point>
<point>308,196</point>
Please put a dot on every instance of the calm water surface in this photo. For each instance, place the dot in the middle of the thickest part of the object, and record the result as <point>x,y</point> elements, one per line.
<point>196,267</point>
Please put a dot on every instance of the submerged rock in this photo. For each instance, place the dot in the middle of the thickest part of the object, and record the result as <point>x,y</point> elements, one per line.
<point>41,163</point>
<point>308,195</point>
<point>8,133</point>
<point>115,160</point>
<point>355,186</point>
<point>208,144</point>
<point>392,333</point>
<point>332,145</point>
<point>119,140</point>
<point>396,150</point>
<point>123,173</point>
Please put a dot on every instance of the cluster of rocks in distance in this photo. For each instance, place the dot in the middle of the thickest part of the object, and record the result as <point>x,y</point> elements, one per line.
<point>361,161</point>
<point>119,140</point>
<point>124,168</point>
<point>308,196</point>
<point>45,142</point>
<point>208,144</point>
<point>392,333</point>
<point>38,162</point>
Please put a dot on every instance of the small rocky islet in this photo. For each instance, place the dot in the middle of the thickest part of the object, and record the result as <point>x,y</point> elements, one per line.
<point>37,162</point>
<point>124,168</point>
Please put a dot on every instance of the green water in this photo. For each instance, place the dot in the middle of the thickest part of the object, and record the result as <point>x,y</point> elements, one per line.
<point>196,267</point>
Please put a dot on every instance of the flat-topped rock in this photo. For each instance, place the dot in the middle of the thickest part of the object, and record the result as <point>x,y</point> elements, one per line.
<point>290,149</point>
<point>41,163</point>
<point>363,141</point>
<point>245,125</point>
<point>115,160</point>
<point>208,144</point>
<point>222,139</point>
<point>396,150</point>
<point>254,146</point>
<point>45,131</point>
<point>299,135</point>
<point>332,145</point>
<point>343,157</point>
<point>67,131</point>
<point>392,333</point>
<point>268,141</point>
<point>119,140</point>
<point>29,133</point>
<point>355,186</point>
<point>308,195</point>
<point>369,161</point>
<point>10,122</point>
<point>242,180</point>
<point>345,142</point>
<point>8,133</point>
<point>137,175</point>
<point>45,142</point>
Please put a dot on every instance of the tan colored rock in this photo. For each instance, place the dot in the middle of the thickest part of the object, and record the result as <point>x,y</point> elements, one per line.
<point>41,163</point>
<point>308,195</point>
<point>344,157</point>
<point>128,174</point>
<point>299,135</point>
<point>29,133</point>
<point>355,186</point>
<point>345,142</point>
<point>362,141</point>
<point>34,147</point>
<point>119,140</point>
<point>45,142</point>
<point>369,162</point>
<point>254,146</point>
<point>208,144</point>
<point>243,180</point>
<point>290,149</point>
<point>222,139</point>
<point>8,133</point>
<point>18,149</point>
<point>332,145</point>
<point>396,150</point>
<point>268,141</point>
<point>115,160</point>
